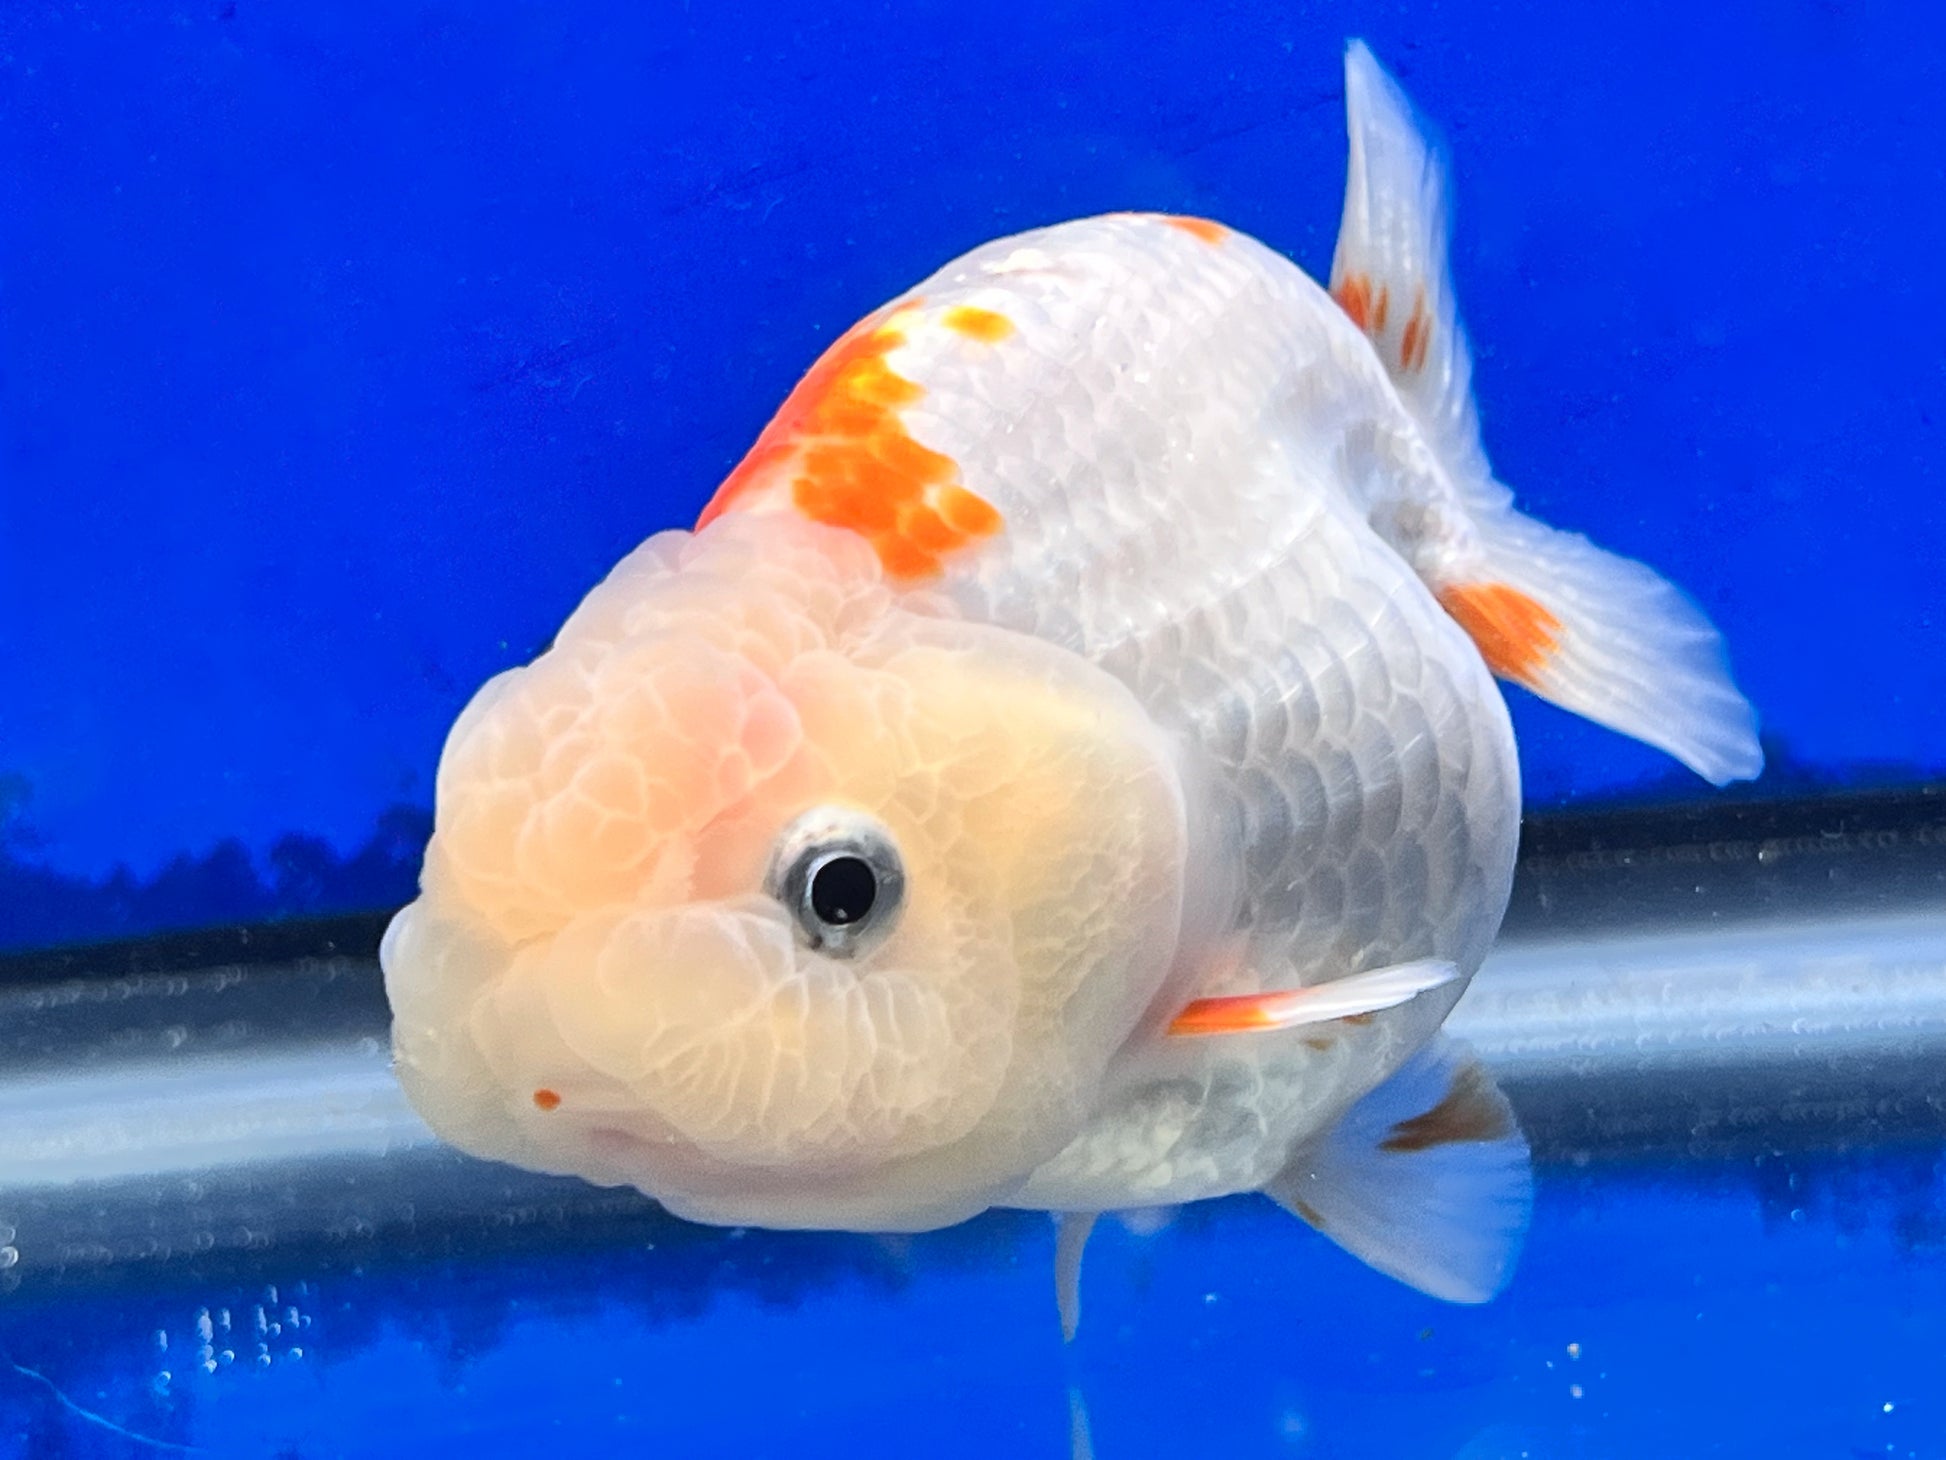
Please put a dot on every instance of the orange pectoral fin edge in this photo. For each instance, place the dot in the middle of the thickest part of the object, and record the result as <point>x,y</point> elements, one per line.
<point>1349,999</point>
<point>1230,1014</point>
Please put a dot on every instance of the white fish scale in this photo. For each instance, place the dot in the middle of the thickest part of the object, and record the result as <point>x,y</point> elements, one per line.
<point>1188,443</point>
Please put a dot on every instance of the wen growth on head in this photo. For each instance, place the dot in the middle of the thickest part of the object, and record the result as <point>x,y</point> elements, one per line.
<point>1062,769</point>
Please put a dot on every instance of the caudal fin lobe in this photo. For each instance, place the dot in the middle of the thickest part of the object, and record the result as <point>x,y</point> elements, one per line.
<point>1598,634</point>
<point>1608,638</point>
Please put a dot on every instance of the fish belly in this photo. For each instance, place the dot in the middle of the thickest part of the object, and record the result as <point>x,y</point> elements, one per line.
<point>1188,443</point>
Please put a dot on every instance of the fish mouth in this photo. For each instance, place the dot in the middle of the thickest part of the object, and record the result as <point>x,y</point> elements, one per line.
<point>703,1057</point>
<point>706,1057</point>
<point>696,1187</point>
<point>706,1039</point>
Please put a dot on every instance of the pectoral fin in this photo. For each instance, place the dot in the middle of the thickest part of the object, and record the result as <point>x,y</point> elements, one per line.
<point>1342,998</point>
<point>1426,1178</point>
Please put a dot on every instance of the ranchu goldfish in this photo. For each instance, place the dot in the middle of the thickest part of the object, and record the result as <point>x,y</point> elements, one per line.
<point>1061,770</point>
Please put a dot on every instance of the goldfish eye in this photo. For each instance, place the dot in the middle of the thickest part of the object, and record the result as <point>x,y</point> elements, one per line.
<point>838,874</point>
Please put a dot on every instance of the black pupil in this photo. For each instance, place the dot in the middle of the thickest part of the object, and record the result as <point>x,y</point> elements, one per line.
<point>843,890</point>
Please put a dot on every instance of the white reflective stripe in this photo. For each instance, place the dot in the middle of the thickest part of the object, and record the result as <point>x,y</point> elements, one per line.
<point>1730,997</point>
<point>1626,1004</point>
<point>155,1118</point>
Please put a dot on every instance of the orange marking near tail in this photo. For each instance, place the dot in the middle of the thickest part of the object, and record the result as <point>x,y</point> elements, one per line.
<point>1380,310</point>
<point>1515,634</point>
<point>1418,336</point>
<point>1203,228</point>
<point>1354,296</point>
<point>547,1100</point>
<point>856,465</point>
<point>985,325</point>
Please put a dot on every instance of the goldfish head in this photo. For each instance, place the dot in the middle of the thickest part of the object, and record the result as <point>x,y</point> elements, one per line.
<point>784,898</point>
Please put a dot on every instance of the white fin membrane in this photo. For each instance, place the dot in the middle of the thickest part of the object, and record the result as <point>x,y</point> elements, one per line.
<point>1627,648</point>
<point>1390,268</point>
<point>1427,1179</point>
<point>1597,634</point>
<point>1071,1233</point>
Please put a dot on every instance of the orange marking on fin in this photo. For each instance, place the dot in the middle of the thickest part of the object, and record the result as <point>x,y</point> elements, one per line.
<point>547,1099</point>
<point>1418,336</point>
<point>1210,232</point>
<point>1515,634</point>
<point>856,465</point>
<point>1380,309</point>
<point>1468,1113</point>
<point>1354,296</point>
<point>1225,1014</point>
<point>987,326</point>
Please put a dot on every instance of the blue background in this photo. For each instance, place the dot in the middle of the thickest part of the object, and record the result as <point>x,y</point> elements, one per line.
<point>343,347</point>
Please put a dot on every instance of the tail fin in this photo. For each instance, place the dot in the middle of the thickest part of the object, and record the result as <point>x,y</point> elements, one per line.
<point>1389,270</point>
<point>1595,633</point>
<point>1608,638</point>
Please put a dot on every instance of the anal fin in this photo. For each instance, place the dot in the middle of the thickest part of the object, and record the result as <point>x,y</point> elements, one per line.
<point>1426,1178</point>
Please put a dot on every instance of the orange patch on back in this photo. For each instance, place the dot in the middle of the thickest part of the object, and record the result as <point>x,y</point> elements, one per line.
<point>1354,296</point>
<point>1470,1112</point>
<point>856,465</point>
<point>1203,228</point>
<point>547,1100</point>
<point>1515,634</point>
<point>1418,336</point>
<point>984,325</point>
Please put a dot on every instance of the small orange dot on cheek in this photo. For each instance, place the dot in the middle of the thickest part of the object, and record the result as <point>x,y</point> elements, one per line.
<point>547,1100</point>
